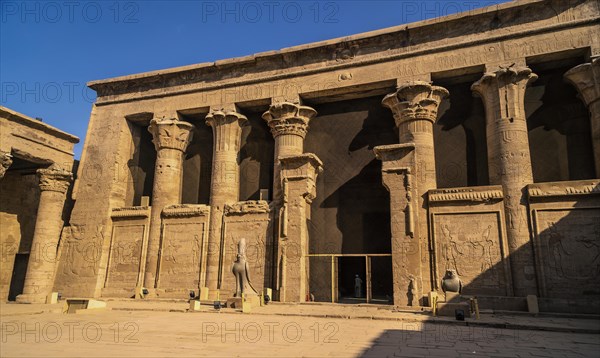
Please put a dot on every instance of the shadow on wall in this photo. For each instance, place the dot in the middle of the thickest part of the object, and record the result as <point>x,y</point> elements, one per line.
<point>566,262</point>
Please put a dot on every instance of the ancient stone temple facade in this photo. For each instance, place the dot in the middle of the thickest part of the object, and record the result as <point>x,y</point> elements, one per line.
<point>35,177</point>
<point>469,143</point>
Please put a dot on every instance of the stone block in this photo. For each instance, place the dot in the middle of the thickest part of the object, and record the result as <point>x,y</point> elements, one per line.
<point>194,305</point>
<point>532,304</point>
<point>204,293</point>
<point>449,309</point>
<point>52,298</point>
<point>451,296</point>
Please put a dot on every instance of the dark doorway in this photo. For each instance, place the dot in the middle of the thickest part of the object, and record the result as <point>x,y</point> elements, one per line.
<point>382,288</point>
<point>17,281</point>
<point>348,268</point>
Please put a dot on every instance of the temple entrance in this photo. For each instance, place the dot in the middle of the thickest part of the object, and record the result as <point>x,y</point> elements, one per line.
<point>354,278</point>
<point>350,224</point>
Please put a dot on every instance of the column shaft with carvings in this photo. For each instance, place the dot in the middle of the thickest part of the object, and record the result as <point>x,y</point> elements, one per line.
<point>227,137</point>
<point>586,78</point>
<point>503,94</point>
<point>298,182</point>
<point>289,125</point>
<point>5,163</point>
<point>415,106</point>
<point>39,279</point>
<point>398,166</point>
<point>171,138</point>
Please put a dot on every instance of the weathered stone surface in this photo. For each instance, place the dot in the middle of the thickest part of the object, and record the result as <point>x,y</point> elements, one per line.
<point>470,206</point>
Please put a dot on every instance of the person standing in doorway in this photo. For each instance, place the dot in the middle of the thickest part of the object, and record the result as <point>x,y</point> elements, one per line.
<point>357,286</point>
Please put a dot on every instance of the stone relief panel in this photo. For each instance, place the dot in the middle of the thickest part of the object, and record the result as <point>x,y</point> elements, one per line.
<point>80,252</point>
<point>257,231</point>
<point>567,246</point>
<point>125,255</point>
<point>181,255</point>
<point>471,244</point>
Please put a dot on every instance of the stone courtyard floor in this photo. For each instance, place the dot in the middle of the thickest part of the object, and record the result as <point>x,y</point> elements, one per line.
<point>164,328</point>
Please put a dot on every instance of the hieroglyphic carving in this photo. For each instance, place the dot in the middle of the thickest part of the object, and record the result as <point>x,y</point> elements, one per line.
<point>568,247</point>
<point>131,212</point>
<point>247,207</point>
<point>125,256</point>
<point>580,187</point>
<point>185,210</point>
<point>345,52</point>
<point>181,255</point>
<point>471,244</point>
<point>476,194</point>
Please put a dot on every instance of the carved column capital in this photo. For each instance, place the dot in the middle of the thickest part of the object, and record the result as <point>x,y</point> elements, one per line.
<point>505,87</point>
<point>288,118</point>
<point>170,133</point>
<point>54,179</point>
<point>222,116</point>
<point>586,79</point>
<point>5,162</point>
<point>415,100</point>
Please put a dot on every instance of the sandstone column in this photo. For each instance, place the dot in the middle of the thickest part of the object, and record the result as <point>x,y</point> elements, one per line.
<point>171,138</point>
<point>415,105</point>
<point>227,137</point>
<point>586,78</point>
<point>398,166</point>
<point>289,125</point>
<point>503,94</point>
<point>39,278</point>
<point>298,182</point>
<point>5,162</point>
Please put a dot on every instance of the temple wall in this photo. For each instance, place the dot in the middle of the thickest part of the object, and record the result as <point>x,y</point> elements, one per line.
<point>339,210</point>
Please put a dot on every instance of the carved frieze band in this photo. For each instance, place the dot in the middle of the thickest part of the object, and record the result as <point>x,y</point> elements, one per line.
<point>475,194</point>
<point>247,207</point>
<point>568,188</point>
<point>288,118</point>
<point>54,179</point>
<point>131,212</point>
<point>185,210</point>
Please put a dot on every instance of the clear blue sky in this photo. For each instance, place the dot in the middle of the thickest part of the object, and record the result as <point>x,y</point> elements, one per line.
<point>49,50</point>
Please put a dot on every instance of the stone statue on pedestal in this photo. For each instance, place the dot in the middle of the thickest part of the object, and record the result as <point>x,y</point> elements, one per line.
<point>451,282</point>
<point>241,272</point>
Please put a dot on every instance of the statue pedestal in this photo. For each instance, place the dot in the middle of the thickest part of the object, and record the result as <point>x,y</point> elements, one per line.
<point>243,303</point>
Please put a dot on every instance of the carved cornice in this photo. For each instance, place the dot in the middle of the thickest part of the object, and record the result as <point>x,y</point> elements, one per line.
<point>586,79</point>
<point>466,28</point>
<point>54,179</point>
<point>247,207</point>
<point>472,194</point>
<point>5,162</point>
<point>415,100</point>
<point>566,188</point>
<point>288,118</point>
<point>170,133</point>
<point>131,212</point>
<point>185,210</point>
